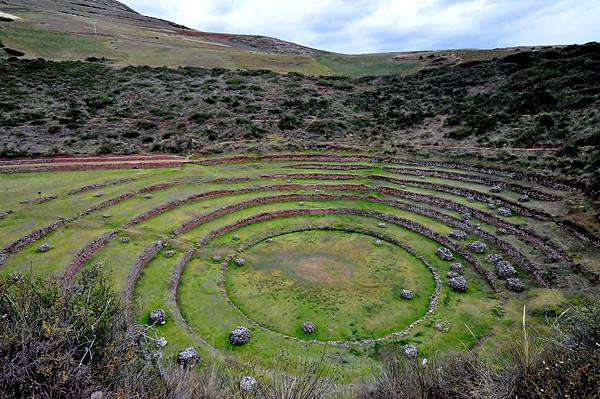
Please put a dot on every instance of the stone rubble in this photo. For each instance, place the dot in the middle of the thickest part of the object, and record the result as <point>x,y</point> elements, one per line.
<point>240,336</point>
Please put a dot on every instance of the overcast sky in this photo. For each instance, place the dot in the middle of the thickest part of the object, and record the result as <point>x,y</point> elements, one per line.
<point>366,26</point>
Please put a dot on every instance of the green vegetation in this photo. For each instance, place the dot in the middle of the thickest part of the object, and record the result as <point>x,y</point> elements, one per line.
<point>54,337</point>
<point>450,112</point>
<point>334,258</point>
<point>57,45</point>
<point>368,64</point>
<point>323,268</point>
<point>342,282</point>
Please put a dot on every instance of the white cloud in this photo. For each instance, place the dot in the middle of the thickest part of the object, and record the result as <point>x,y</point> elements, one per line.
<point>361,26</point>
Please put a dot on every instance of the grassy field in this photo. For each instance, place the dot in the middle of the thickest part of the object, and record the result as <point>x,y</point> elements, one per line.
<point>368,64</point>
<point>339,279</point>
<point>342,282</point>
<point>57,45</point>
<point>130,45</point>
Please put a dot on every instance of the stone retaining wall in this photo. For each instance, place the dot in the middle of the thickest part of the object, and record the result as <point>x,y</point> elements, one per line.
<point>474,179</point>
<point>89,167</point>
<point>409,224</point>
<point>91,249</point>
<point>539,242</point>
<point>534,178</point>
<point>97,186</point>
<point>40,233</point>
<point>145,257</point>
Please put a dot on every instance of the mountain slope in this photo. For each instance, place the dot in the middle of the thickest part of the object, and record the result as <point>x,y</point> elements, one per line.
<point>544,101</point>
<point>78,29</point>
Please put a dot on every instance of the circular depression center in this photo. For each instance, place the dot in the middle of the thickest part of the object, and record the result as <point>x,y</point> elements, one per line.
<point>346,284</point>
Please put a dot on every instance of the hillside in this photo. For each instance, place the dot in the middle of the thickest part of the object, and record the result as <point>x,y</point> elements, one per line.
<point>75,30</point>
<point>544,101</point>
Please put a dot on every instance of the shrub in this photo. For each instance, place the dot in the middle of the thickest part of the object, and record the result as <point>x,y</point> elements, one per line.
<point>59,341</point>
<point>146,125</point>
<point>105,149</point>
<point>131,134</point>
<point>563,364</point>
<point>200,117</point>
<point>289,122</point>
<point>96,103</point>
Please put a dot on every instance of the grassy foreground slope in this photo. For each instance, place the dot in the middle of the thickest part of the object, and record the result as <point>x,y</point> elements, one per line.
<point>325,238</point>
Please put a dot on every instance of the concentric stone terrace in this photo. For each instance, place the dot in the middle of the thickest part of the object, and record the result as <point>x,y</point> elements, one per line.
<point>243,258</point>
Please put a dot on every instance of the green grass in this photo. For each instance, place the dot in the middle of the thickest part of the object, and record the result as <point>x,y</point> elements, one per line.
<point>341,281</point>
<point>57,45</point>
<point>367,64</point>
<point>134,46</point>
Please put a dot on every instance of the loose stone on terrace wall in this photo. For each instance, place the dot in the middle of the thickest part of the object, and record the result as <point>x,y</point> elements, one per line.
<point>170,253</point>
<point>477,247</point>
<point>161,342</point>
<point>458,284</point>
<point>505,270</point>
<point>457,234</point>
<point>515,284</point>
<point>457,268</point>
<point>411,351</point>
<point>309,327</point>
<point>247,384</point>
<point>451,275</point>
<point>504,212</point>
<point>407,294</point>
<point>444,254</point>
<point>240,262</point>
<point>494,258</point>
<point>45,247</point>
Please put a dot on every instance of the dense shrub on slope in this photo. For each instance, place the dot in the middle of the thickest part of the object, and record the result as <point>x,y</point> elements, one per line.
<point>528,99</point>
<point>58,341</point>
